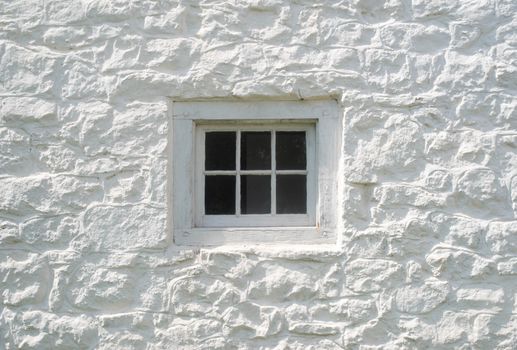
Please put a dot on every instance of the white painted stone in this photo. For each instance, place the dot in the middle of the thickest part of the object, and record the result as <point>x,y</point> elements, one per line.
<point>426,255</point>
<point>26,109</point>
<point>138,226</point>
<point>364,275</point>
<point>483,296</point>
<point>508,267</point>
<point>24,278</point>
<point>423,298</point>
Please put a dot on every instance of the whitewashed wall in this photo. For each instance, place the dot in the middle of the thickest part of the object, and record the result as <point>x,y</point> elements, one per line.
<point>428,252</point>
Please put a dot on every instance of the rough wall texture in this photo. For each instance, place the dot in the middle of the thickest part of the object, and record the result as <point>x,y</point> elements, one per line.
<point>427,257</point>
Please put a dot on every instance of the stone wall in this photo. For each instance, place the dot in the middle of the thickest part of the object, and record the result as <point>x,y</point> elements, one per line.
<point>427,256</point>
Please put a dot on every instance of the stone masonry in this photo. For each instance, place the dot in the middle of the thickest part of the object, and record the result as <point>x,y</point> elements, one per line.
<point>427,253</point>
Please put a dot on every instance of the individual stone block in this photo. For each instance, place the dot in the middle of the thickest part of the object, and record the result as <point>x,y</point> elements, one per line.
<point>255,320</point>
<point>508,333</point>
<point>156,189</point>
<point>480,296</point>
<point>398,144</point>
<point>54,232</point>
<point>177,20</point>
<point>482,194</point>
<point>81,80</point>
<point>125,330</point>
<point>380,10</point>
<point>67,38</point>
<point>41,330</point>
<point>464,35</point>
<point>54,194</point>
<point>24,279</point>
<point>501,237</point>
<point>386,70</point>
<point>348,33</point>
<point>95,288</point>
<point>458,264</point>
<point>371,275</point>
<point>138,226</point>
<point>124,54</point>
<point>354,310</point>
<point>506,32</point>
<point>393,195</point>
<point>196,333</point>
<point>476,148</point>
<point>425,69</point>
<point>414,37</point>
<point>142,84</point>
<point>315,328</point>
<point>56,159</point>
<point>465,72</point>
<point>9,231</point>
<point>474,10</point>
<point>171,55</point>
<point>127,186</point>
<point>15,152</point>
<point>139,129</point>
<point>103,10</point>
<point>439,180</point>
<point>506,72</point>
<point>458,230</point>
<point>484,327</point>
<point>508,267</point>
<point>453,327</point>
<point>25,72</point>
<point>203,295</point>
<point>283,283</point>
<point>370,243</point>
<point>420,299</point>
<point>61,12</point>
<point>26,109</point>
<point>25,14</point>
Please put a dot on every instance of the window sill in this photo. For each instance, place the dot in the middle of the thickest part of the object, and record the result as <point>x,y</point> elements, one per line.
<point>252,236</point>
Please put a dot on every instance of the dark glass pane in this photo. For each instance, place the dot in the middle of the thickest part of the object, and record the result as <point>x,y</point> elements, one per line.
<point>219,194</point>
<point>255,194</point>
<point>291,194</point>
<point>256,150</point>
<point>220,150</point>
<point>290,150</point>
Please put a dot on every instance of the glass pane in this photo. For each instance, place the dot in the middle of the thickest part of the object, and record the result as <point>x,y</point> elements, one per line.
<point>219,194</point>
<point>291,194</point>
<point>256,150</point>
<point>220,150</point>
<point>290,150</point>
<point>255,194</point>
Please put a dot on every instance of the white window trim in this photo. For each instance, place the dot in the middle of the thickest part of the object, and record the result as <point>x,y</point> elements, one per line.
<point>319,226</point>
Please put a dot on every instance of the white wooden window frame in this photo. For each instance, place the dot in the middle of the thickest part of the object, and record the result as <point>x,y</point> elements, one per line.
<point>191,119</point>
<point>255,220</point>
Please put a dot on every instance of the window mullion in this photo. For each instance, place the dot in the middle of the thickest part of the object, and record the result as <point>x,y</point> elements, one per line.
<point>273,172</point>
<point>238,174</point>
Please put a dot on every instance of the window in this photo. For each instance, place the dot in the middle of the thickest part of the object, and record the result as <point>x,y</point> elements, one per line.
<point>254,172</point>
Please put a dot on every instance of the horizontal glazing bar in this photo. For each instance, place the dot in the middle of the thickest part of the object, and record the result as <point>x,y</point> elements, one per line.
<point>255,172</point>
<point>220,172</point>
<point>291,172</point>
<point>252,172</point>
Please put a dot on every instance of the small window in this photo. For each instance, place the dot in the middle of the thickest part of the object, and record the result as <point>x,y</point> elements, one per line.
<point>254,172</point>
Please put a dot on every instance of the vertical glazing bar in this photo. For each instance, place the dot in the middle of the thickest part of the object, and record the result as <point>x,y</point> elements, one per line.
<point>238,174</point>
<point>202,148</point>
<point>273,172</point>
